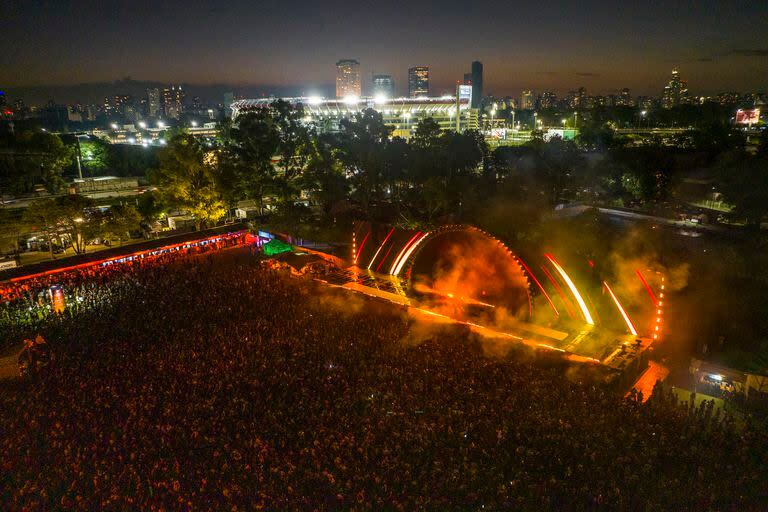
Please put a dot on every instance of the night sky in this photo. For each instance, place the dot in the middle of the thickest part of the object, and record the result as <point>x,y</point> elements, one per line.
<point>602,45</point>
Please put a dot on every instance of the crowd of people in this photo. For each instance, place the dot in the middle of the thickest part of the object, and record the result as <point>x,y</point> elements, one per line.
<point>215,384</point>
<point>26,303</point>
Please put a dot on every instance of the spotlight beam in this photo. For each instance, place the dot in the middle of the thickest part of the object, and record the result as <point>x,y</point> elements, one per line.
<point>572,286</point>
<point>624,314</point>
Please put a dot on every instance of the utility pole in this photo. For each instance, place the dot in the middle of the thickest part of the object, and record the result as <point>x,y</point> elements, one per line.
<point>77,157</point>
<point>458,119</point>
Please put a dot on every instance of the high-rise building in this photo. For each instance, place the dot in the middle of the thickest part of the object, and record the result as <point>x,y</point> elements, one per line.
<point>625,99</point>
<point>229,99</point>
<point>675,92</point>
<point>527,100</point>
<point>418,81</point>
<point>477,83</point>
<point>383,85</point>
<point>173,102</point>
<point>153,102</point>
<point>548,99</point>
<point>348,79</point>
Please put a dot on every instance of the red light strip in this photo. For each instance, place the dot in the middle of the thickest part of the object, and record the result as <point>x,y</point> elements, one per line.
<point>648,288</point>
<point>116,258</point>
<point>385,257</point>
<point>546,295</point>
<point>360,250</point>
<point>409,252</point>
<point>563,298</point>
<point>381,247</point>
<point>402,251</point>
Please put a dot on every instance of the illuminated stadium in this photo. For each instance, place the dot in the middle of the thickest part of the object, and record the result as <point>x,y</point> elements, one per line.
<point>403,114</point>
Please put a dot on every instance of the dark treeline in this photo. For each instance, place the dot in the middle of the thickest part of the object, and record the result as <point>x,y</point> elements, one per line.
<point>285,165</point>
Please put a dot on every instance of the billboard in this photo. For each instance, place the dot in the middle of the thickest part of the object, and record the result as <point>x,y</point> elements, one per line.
<point>751,116</point>
<point>465,93</point>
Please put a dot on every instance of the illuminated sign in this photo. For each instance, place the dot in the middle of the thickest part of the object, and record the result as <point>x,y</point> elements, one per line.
<point>465,93</point>
<point>748,116</point>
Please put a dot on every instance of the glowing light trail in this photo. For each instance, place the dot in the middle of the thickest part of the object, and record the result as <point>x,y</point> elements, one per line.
<point>384,258</point>
<point>400,254</point>
<point>409,252</point>
<point>648,288</point>
<point>380,247</point>
<point>563,298</point>
<point>360,250</point>
<point>567,279</point>
<point>624,314</point>
<point>546,295</point>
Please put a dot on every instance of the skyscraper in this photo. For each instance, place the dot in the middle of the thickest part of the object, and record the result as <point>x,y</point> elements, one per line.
<point>173,101</point>
<point>418,81</point>
<point>675,92</point>
<point>383,85</point>
<point>348,79</point>
<point>477,83</point>
<point>527,100</point>
<point>153,102</point>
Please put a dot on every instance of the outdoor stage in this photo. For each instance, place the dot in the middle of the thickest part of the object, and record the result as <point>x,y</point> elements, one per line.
<point>620,353</point>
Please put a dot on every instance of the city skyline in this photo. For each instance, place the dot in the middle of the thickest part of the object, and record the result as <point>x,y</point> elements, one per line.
<point>530,48</point>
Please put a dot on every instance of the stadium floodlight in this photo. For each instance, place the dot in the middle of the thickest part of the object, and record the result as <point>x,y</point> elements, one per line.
<point>380,99</point>
<point>142,125</point>
<point>314,100</point>
<point>131,141</point>
<point>160,124</point>
<point>114,126</point>
<point>351,99</point>
<point>145,144</point>
<point>162,142</point>
<point>194,124</point>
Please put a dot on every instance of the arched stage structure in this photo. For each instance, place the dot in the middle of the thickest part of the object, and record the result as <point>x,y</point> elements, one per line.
<point>468,263</point>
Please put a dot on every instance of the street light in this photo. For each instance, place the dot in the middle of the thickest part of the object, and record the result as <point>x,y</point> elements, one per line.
<point>564,121</point>
<point>160,124</point>
<point>194,124</point>
<point>114,126</point>
<point>142,125</point>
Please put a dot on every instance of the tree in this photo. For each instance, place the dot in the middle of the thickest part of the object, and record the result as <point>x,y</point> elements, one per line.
<point>363,140</point>
<point>95,156</point>
<point>324,177</point>
<point>427,134</point>
<point>247,161</point>
<point>189,179</point>
<point>75,219</point>
<point>35,158</point>
<point>743,181</point>
<point>12,225</point>
<point>43,216</point>
<point>294,145</point>
<point>120,221</point>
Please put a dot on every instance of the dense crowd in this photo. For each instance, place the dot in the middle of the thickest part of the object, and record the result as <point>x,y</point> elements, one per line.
<point>25,304</point>
<point>217,385</point>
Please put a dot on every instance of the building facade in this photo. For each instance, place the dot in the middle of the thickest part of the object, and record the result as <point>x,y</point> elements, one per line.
<point>348,79</point>
<point>418,81</point>
<point>153,102</point>
<point>527,100</point>
<point>675,92</point>
<point>477,83</point>
<point>173,102</point>
<point>383,86</point>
